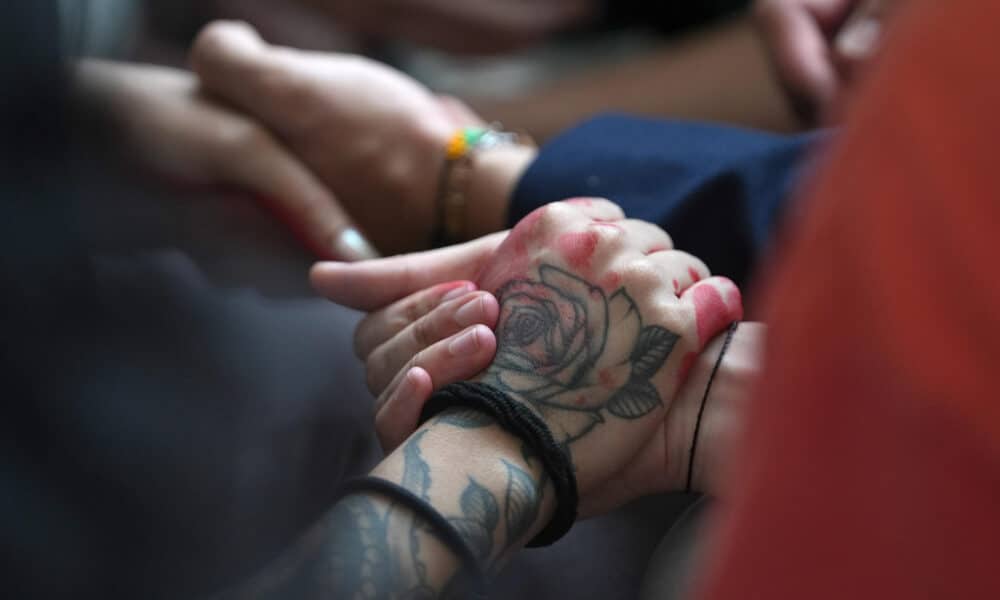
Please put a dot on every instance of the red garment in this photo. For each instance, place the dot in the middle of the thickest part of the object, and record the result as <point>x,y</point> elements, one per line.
<point>871,467</point>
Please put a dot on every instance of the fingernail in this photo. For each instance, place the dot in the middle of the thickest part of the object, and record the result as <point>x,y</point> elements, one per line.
<point>350,245</point>
<point>466,343</point>
<point>461,290</point>
<point>470,312</point>
<point>408,386</point>
<point>858,39</point>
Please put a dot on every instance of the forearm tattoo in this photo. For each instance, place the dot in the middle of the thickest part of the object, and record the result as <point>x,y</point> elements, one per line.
<point>575,353</point>
<point>368,547</point>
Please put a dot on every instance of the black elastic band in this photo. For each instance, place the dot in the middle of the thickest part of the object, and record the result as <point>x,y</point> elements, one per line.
<point>522,422</point>
<point>472,580</point>
<point>704,399</point>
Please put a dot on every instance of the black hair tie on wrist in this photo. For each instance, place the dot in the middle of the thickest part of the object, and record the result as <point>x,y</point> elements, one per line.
<point>522,422</point>
<point>471,581</point>
<point>704,399</point>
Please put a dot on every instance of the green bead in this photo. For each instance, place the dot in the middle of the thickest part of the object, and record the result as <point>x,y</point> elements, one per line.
<point>473,135</point>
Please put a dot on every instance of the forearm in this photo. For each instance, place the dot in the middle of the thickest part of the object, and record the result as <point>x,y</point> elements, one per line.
<point>720,75</point>
<point>371,546</point>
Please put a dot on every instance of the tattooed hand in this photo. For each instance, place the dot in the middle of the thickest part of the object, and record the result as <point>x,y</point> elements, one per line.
<point>599,322</point>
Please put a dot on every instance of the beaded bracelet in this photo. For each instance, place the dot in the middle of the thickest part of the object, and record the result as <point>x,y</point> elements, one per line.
<point>451,201</point>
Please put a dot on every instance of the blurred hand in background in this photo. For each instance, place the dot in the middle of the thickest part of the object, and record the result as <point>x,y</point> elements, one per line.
<point>469,26</point>
<point>820,46</point>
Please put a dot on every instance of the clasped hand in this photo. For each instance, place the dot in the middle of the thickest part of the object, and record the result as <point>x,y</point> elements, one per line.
<point>597,320</point>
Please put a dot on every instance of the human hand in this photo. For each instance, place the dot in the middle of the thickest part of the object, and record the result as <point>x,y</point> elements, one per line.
<point>421,343</point>
<point>179,133</point>
<point>620,316</point>
<point>472,26</point>
<point>373,136</point>
<point>819,46</point>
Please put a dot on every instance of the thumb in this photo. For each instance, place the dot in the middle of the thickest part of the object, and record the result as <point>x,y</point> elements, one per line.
<point>284,185</point>
<point>372,284</point>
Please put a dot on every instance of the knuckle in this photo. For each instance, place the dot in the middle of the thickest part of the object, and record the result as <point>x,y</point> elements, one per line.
<point>372,377</point>
<point>642,275</point>
<point>422,331</point>
<point>240,136</point>
<point>609,239</point>
<point>556,215</point>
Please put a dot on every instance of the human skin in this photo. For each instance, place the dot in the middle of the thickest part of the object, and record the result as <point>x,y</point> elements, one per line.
<point>374,137</point>
<point>818,47</point>
<point>461,463</point>
<point>584,257</point>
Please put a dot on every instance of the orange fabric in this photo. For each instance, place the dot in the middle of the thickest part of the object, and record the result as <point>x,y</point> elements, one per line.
<point>871,466</point>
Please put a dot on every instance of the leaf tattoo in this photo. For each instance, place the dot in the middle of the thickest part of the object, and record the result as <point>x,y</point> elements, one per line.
<point>480,517</point>
<point>522,501</point>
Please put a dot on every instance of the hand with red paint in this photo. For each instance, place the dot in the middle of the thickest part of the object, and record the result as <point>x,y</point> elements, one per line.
<point>599,322</point>
<point>820,46</point>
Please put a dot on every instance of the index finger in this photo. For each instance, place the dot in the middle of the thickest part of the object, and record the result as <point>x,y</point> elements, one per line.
<point>372,284</point>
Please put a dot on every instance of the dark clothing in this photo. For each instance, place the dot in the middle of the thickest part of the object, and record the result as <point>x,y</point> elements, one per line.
<point>718,191</point>
<point>668,17</point>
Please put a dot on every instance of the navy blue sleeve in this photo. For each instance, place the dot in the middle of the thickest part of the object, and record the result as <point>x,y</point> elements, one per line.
<point>718,191</point>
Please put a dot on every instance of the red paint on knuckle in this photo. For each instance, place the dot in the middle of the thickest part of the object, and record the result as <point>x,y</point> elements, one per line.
<point>711,312</point>
<point>612,281</point>
<point>578,248</point>
<point>735,300</point>
<point>656,249</point>
<point>694,274</point>
<point>677,287</point>
<point>607,379</point>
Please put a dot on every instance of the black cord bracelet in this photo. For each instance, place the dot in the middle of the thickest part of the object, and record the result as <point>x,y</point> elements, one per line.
<point>704,399</point>
<point>522,422</point>
<point>472,580</point>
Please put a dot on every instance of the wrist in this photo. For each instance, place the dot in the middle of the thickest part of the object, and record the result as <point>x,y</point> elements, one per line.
<point>493,179</point>
<point>476,475</point>
<point>721,423</point>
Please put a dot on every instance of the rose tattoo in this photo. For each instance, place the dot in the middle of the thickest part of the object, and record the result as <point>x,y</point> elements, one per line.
<point>554,351</point>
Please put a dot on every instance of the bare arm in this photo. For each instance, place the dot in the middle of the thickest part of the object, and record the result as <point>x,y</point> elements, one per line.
<point>370,546</point>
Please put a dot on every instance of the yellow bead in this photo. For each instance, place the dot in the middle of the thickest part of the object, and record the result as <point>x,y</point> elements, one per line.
<point>457,147</point>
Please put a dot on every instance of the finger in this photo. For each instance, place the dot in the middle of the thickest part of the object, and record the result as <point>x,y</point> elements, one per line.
<point>233,62</point>
<point>598,209</point>
<point>801,52</point>
<point>643,235</point>
<point>459,112</point>
<point>446,320</point>
<point>857,40</point>
<point>717,303</point>
<point>252,158</point>
<point>683,269</point>
<point>401,412</point>
<point>456,358</point>
<point>372,284</point>
<point>383,324</point>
